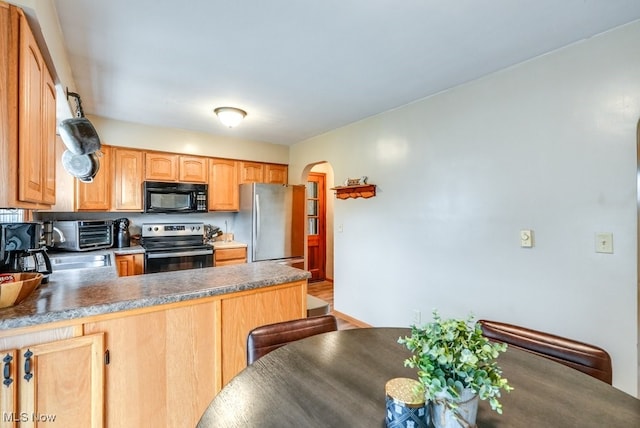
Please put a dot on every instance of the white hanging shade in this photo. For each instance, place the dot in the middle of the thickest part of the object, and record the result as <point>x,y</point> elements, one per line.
<point>230,116</point>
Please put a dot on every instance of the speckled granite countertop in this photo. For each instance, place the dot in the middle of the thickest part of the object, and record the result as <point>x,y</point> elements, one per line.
<point>94,291</point>
<point>228,244</point>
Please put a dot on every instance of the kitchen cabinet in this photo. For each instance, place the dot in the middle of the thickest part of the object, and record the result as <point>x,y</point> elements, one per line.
<point>223,185</point>
<point>59,383</point>
<point>27,116</point>
<point>162,369</point>
<point>156,366</point>
<point>230,256</point>
<point>96,196</point>
<point>256,172</point>
<point>130,264</point>
<point>128,176</point>
<point>160,166</point>
<point>275,174</point>
<point>173,167</point>
<point>193,169</point>
<point>251,172</point>
<point>49,138</point>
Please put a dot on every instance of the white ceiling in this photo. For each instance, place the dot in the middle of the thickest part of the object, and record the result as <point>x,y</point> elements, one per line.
<point>299,67</point>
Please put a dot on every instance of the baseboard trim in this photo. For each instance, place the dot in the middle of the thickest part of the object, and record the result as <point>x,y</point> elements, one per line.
<point>351,320</point>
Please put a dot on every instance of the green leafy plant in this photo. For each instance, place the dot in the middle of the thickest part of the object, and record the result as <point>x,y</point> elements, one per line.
<point>452,355</point>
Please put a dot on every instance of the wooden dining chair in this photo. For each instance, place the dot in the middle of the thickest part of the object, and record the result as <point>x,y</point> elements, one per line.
<point>264,339</point>
<point>587,358</point>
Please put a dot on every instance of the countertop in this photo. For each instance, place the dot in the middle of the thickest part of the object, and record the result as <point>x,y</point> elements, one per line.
<point>230,244</point>
<point>94,291</point>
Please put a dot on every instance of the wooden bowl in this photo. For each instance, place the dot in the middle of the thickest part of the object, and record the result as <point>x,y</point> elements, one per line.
<point>14,292</point>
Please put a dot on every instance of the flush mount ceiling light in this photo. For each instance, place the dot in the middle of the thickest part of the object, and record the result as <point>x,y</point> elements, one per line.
<point>230,116</point>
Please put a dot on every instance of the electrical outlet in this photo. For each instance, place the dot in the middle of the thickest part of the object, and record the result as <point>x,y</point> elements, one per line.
<point>604,242</point>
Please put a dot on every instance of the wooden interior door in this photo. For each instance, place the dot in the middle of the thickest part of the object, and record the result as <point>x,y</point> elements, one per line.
<point>316,226</point>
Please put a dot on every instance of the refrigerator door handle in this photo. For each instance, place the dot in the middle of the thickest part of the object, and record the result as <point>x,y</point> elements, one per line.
<point>257,225</point>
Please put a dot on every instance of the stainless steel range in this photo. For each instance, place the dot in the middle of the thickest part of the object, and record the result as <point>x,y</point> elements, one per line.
<point>175,246</point>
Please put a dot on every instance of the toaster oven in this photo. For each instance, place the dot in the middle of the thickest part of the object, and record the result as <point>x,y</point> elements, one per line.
<point>83,235</point>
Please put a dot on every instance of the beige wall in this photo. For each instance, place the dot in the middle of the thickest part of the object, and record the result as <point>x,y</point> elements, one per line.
<point>128,134</point>
<point>547,145</point>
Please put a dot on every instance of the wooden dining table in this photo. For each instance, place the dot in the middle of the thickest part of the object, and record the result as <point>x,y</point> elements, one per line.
<point>338,379</point>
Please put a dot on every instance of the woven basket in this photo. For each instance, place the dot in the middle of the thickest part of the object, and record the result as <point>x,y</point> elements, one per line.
<point>14,292</point>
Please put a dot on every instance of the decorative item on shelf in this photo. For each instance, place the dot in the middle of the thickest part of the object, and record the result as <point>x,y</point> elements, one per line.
<point>355,188</point>
<point>456,366</point>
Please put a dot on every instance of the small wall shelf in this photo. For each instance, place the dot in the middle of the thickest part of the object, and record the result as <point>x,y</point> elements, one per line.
<point>360,191</point>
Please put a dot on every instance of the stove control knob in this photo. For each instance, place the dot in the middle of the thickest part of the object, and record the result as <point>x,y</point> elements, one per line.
<point>155,229</point>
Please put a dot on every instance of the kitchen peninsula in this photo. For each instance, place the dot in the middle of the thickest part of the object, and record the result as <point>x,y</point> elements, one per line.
<point>144,350</point>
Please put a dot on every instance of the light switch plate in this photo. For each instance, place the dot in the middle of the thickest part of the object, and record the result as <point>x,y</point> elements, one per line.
<point>604,242</point>
<point>526,238</point>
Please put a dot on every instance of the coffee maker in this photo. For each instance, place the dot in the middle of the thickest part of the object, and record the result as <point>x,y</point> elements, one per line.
<point>22,250</point>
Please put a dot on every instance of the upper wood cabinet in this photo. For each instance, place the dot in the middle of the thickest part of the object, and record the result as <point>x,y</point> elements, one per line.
<point>275,174</point>
<point>193,169</point>
<point>128,177</point>
<point>49,138</point>
<point>173,167</point>
<point>160,166</point>
<point>257,172</point>
<point>223,185</point>
<point>251,172</point>
<point>96,196</point>
<point>27,117</point>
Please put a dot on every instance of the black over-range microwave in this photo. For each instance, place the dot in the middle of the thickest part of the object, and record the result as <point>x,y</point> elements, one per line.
<point>163,197</point>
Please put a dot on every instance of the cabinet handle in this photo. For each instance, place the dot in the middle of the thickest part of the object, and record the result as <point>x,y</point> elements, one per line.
<point>6,370</point>
<point>27,365</point>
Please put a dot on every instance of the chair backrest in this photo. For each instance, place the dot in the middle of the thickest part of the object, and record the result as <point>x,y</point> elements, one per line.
<point>581,356</point>
<point>264,339</point>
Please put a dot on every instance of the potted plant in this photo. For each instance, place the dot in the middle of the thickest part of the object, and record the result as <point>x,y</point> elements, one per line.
<point>456,365</point>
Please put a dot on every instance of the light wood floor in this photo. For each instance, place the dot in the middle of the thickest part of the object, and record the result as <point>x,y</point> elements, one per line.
<point>324,290</point>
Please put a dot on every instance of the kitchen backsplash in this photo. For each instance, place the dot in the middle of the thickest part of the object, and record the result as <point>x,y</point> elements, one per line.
<point>137,219</point>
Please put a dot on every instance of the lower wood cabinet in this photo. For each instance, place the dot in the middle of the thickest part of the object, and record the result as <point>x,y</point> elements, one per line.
<point>156,366</point>
<point>162,368</point>
<point>229,256</point>
<point>59,383</point>
<point>130,264</point>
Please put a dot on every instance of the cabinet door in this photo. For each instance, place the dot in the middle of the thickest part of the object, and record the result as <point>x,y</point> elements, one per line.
<point>275,174</point>
<point>130,264</point>
<point>62,383</point>
<point>30,147</point>
<point>96,196</point>
<point>161,166</point>
<point>127,170</point>
<point>193,169</point>
<point>251,172</point>
<point>223,185</point>
<point>9,388</point>
<point>241,314</point>
<point>49,138</point>
<point>230,256</point>
<point>162,369</point>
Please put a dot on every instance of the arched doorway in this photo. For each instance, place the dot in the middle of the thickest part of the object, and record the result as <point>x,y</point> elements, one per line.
<point>319,180</point>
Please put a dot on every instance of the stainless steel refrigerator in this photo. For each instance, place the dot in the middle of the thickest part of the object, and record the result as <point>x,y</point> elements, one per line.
<point>271,222</point>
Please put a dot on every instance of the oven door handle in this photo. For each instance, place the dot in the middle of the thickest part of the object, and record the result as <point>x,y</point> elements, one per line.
<point>179,254</point>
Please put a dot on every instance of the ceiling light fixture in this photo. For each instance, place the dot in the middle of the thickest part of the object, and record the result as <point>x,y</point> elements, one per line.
<point>230,116</point>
